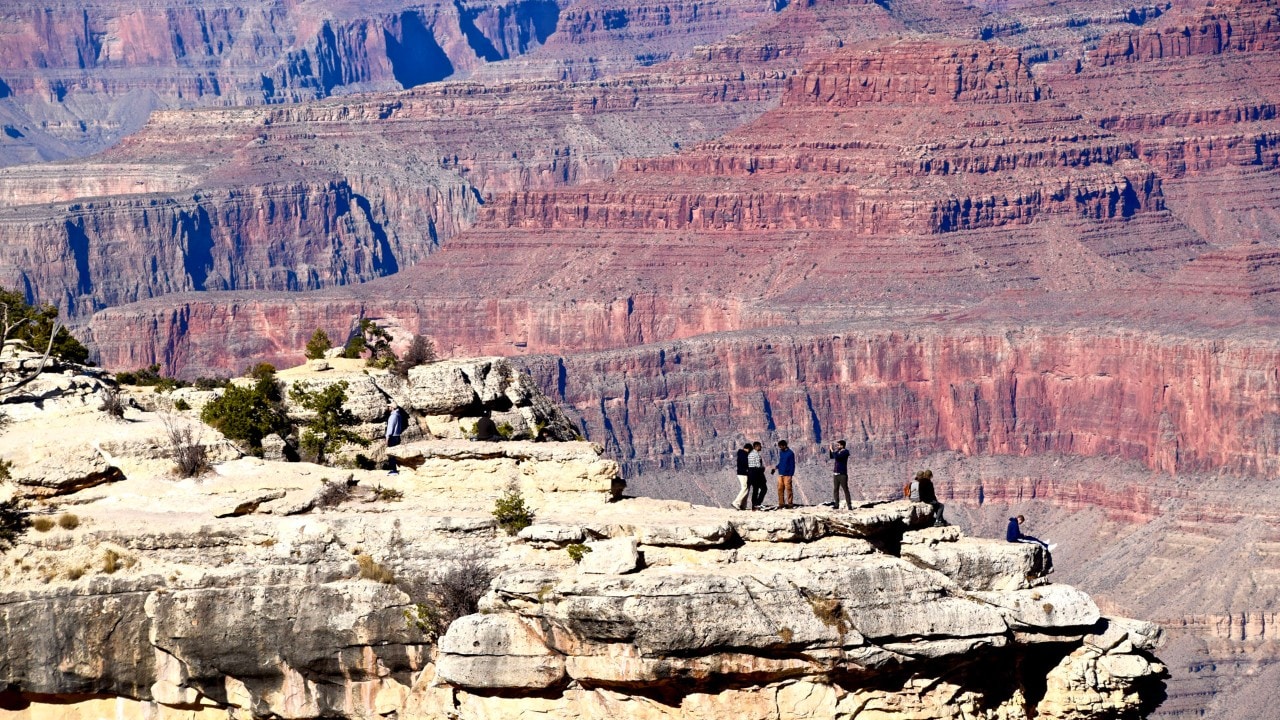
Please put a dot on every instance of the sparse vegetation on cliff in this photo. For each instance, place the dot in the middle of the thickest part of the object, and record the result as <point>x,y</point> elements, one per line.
<point>511,511</point>
<point>249,414</point>
<point>374,339</point>
<point>421,352</point>
<point>189,453</point>
<point>34,324</point>
<point>318,345</point>
<point>453,593</point>
<point>14,520</point>
<point>577,551</point>
<point>329,425</point>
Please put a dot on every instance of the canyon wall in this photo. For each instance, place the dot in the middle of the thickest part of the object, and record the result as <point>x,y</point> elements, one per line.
<point>79,78</point>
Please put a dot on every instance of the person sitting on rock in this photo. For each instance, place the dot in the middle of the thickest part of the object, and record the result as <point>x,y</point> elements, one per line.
<point>921,490</point>
<point>486,430</point>
<point>1014,534</point>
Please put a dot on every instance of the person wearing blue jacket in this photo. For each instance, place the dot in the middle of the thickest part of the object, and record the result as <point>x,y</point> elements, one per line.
<point>1014,534</point>
<point>785,470</point>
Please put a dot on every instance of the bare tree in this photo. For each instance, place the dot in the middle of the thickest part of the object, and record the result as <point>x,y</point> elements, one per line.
<point>187,446</point>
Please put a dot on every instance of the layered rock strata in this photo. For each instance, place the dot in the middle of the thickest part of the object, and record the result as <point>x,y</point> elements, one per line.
<point>291,590</point>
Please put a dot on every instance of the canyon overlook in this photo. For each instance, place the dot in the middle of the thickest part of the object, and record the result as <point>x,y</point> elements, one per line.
<point>1034,246</point>
<point>274,589</point>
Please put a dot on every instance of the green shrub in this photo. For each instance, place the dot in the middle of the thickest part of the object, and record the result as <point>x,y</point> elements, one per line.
<point>14,520</point>
<point>248,414</point>
<point>374,339</point>
<point>37,322</point>
<point>181,405</point>
<point>150,377</point>
<point>505,431</point>
<point>210,383</point>
<point>318,345</point>
<point>328,427</point>
<point>68,521</point>
<point>577,551</point>
<point>511,512</point>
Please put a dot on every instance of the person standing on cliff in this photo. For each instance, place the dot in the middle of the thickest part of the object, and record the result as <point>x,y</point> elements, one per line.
<point>1014,534</point>
<point>744,489</point>
<point>785,470</point>
<point>839,473</point>
<point>397,420</point>
<point>755,475</point>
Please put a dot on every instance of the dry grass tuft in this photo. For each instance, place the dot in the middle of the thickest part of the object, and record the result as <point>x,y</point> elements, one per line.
<point>371,570</point>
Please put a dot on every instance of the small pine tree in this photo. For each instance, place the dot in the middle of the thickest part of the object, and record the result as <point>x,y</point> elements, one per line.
<point>329,426</point>
<point>511,512</point>
<point>318,345</point>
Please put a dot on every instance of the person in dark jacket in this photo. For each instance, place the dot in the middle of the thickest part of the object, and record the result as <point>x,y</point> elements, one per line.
<point>744,489</point>
<point>921,490</point>
<point>840,473</point>
<point>486,430</point>
<point>1014,534</point>
<point>785,470</point>
<point>755,475</point>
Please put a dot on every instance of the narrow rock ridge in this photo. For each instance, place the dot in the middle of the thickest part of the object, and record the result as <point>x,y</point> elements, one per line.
<point>272,589</point>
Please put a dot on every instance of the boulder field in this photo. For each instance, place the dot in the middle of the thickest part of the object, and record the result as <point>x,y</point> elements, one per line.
<point>292,590</point>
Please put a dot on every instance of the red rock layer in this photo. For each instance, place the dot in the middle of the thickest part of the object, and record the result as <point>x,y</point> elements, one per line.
<point>1235,26</point>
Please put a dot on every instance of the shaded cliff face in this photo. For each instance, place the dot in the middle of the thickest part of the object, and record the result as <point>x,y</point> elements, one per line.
<point>77,78</point>
<point>928,388</point>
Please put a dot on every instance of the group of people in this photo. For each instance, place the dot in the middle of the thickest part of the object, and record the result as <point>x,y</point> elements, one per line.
<point>753,487</point>
<point>753,483</point>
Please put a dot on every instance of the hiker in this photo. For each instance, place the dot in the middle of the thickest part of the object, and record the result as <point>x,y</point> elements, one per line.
<point>1014,534</point>
<point>785,470</point>
<point>485,429</point>
<point>921,490</point>
<point>755,475</point>
<point>744,490</point>
<point>397,420</point>
<point>839,473</point>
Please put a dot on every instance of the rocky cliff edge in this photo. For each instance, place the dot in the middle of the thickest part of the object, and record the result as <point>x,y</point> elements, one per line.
<point>291,590</point>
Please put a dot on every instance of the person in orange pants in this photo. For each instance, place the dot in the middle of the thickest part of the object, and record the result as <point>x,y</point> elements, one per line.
<point>785,470</point>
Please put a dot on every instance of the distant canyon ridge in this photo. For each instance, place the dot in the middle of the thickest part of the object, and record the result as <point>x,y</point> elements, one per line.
<point>1034,244</point>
